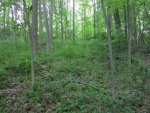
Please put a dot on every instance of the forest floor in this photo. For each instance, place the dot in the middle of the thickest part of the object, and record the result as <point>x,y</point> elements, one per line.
<point>73,79</point>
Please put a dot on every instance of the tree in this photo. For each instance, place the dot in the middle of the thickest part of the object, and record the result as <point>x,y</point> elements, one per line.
<point>125,18</point>
<point>112,67</point>
<point>129,32</point>
<point>14,19</point>
<point>33,38</point>
<point>104,13</point>
<point>61,22</point>
<point>134,21</point>
<point>4,15</point>
<point>94,17</point>
<point>25,23</point>
<point>34,25</point>
<point>73,21</point>
<point>98,14</point>
<point>51,22</point>
<point>117,19</point>
<point>40,25</point>
<point>48,43</point>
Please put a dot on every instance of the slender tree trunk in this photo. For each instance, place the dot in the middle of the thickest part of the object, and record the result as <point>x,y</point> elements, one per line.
<point>8,22</point>
<point>15,20</point>
<point>134,24</point>
<point>111,53</point>
<point>4,20</point>
<point>143,27</point>
<point>34,25</point>
<point>104,12</point>
<point>56,19</point>
<point>98,18</point>
<point>25,24</point>
<point>4,16</point>
<point>94,18</point>
<point>51,22</point>
<point>46,27</point>
<point>33,38</point>
<point>125,19</point>
<point>27,17</point>
<point>83,23</point>
<point>139,27</point>
<point>61,22</point>
<point>40,25</point>
<point>117,19</point>
<point>129,33</point>
<point>66,21</point>
<point>73,20</point>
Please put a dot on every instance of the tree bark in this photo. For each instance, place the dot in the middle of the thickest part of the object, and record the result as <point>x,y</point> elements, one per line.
<point>14,14</point>
<point>125,20</point>
<point>111,53</point>
<point>139,27</point>
<point>40,25</point>
<point>4,19</point>
<point>46,27</point>
<point>94,18</point>
<point>33,37</point>
<point>61,22</point>
<point>35,25</point>
<point>129,33</point>
<point>73,20</point>
<point>104,13</point>
<point>134,23</point>
<point>98,18</point>
<point>117,19</point>
<point>51,22</point>
<point>25,23</point>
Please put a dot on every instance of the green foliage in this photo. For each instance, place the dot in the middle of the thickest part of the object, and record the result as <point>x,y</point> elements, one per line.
<point>5,32</point>
<point>74,77</point>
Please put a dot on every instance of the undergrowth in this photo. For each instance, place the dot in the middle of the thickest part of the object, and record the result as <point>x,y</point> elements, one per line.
<point>73,78</point>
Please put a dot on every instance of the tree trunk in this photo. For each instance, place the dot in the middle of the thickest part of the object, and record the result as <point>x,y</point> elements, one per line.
<point>40,25</point>
<point>25,23</point>
<point>66,21</point>
<point>61,22</point>
<point>34,25</point>
<point>125,19</point>
<point>129,33</point>
<point>134,24</point>
<point>94,18</point>
<point>51,22</point>
<point>139,27</point>
<point>98,18</point>
<point>14,27</point>
<point>84,23</point>
<point>46,27</point>
<point>4,16</point>
<point>104,12</point>
<point>111,52</point>
<point>8,22</point>
<point>73,20</point>
<point>33,37</point>
<point>117,19</point>
<point>56,18</point>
